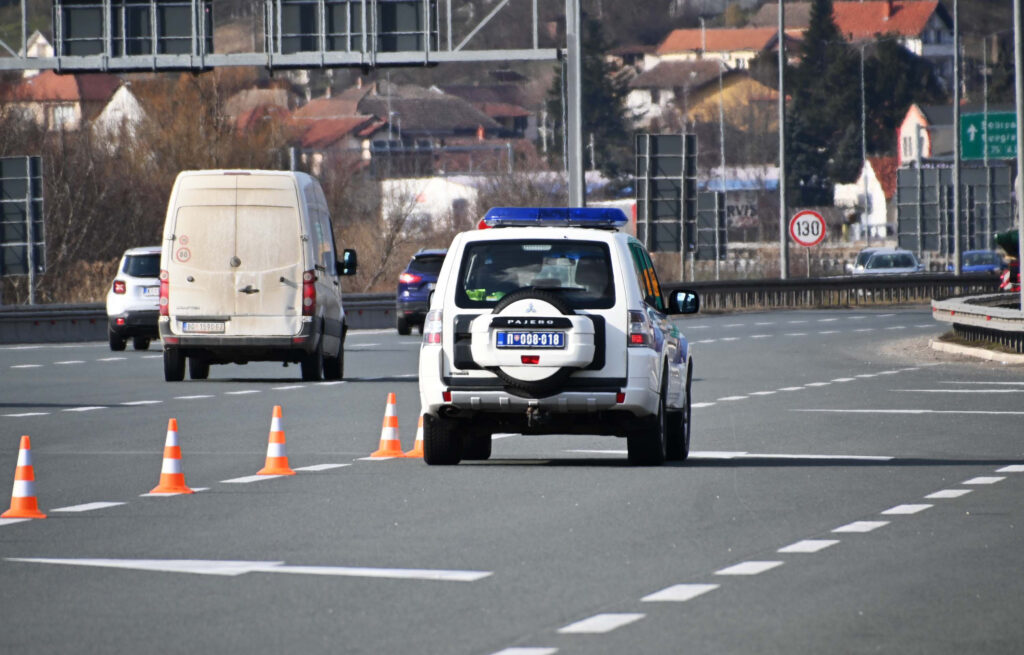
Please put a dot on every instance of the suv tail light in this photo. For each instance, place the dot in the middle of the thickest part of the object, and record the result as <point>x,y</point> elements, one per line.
<point>308,292</point>
<point>165,293</point>
<point>119,286</point>
<point>641,331</point>
<point>432,327</point>
<point>409,278</point>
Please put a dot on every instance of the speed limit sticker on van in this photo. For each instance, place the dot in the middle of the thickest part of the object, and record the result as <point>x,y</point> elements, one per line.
<point>183,254</point>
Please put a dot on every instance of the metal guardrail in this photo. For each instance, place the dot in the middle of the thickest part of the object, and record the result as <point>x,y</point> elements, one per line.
<point>840,291</point>
<point>87,322</point>
<point>992,318</point>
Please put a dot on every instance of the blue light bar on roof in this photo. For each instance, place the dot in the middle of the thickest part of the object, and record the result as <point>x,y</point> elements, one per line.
<point>600,217</point>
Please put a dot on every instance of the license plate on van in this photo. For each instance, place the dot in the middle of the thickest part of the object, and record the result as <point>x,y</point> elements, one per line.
<point>208,327</point>
<point>530,339</point>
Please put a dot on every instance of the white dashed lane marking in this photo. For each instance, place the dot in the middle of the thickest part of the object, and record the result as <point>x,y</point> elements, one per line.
<point>748,568</point>
<point>134,403</point>
<point>26,414</point>
<point>600,624</point>
<point>679,593</point>
<point>1012,468</point>
<point>196,397</point>
<point>809,546</point>
<point>27,366</point>
<point>82,409</point>
<point>906,509</point>
<point>948,493</point>
<point>321,467</point>
<point>520,650</point>
<point>69,362</point>
<point>250,478</point>
<point>984,480</point>
<point>861,526</point>
<point>243,392</point>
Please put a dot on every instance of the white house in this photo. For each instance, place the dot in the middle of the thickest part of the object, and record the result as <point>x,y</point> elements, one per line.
<point>870,197</point>
<point>123,112</point>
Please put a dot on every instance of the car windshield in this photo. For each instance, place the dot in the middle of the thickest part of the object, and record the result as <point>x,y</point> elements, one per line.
<point>580,270</point>
<point>429,264</point>
<point>142,265</point>
<point>863,257</point>
<point>896,260</point>
<point>978,259</point>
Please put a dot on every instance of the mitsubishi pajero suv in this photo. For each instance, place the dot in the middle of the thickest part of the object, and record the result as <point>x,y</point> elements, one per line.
<point>552,321</point>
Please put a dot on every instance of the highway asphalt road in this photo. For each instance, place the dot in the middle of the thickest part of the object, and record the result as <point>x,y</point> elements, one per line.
<point>845,495</point>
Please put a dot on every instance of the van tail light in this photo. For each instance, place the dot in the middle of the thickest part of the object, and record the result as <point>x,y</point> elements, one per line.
<point>409,278</point>
<point>165,293</point>
<point>308,293</point>
<point>432,327</point>
<point>641,331</point>
<point>119,286</point>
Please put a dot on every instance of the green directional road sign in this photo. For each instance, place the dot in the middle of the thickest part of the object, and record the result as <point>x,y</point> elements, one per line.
<point>998,135</point>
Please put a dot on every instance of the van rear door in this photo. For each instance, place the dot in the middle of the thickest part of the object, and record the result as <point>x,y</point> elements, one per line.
<point>243,258</point>
<point>269,251</point>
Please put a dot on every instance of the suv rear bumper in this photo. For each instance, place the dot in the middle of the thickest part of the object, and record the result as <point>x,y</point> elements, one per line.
<point>134,323</point>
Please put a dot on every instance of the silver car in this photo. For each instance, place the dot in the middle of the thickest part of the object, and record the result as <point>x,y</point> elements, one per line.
<point>890,261</point>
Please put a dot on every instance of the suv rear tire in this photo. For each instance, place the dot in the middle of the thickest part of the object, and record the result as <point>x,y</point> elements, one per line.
<point>647,446</point>
<point>678,436</point>
<point>476,445</point>
<point>117,344</point>
<point>442,444</point>
<point>140,343</point>
<point>402,325</point>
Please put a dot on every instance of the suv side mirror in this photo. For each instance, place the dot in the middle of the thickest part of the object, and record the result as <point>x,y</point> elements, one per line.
<point>683,301</point>
<point>348,263</point>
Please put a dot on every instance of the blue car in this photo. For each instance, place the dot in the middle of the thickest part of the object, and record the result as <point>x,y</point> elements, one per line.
<point>415,285</point>
<point>981,261</point>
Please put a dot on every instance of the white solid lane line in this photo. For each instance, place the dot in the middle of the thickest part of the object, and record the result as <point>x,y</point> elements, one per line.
<point>809,546</point>
<point>600,624</point>
<point>748,568</point>
<point>960,390</point>
<point>679,593</point>
<point>232,568</point>
<point>910,411</point>
<point>861,526</point>
<point>86,507</point>
<point>980,383</point>
<point>321,467</point>
<point>4,522</point>
<point>250,478</point>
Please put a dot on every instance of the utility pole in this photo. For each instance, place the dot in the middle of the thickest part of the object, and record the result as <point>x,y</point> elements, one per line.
<point>783,223</point>
<point>574,110</point>
<point>956,137</point>
<point>1018,75</point>
<point>864,149</point>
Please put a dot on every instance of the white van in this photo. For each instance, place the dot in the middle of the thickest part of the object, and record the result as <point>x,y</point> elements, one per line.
<point>249,272</point>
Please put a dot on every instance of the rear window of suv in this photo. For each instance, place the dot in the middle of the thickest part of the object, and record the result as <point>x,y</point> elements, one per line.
<point>142,265</point>
<point>429,264</point>
<point>580,271</point>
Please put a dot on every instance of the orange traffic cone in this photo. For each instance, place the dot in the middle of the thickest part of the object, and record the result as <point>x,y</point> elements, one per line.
<point>277,459</point>
<point>390,446</point>
<point>24,504</point>
<point>172,480</point>
<point>417,447</point>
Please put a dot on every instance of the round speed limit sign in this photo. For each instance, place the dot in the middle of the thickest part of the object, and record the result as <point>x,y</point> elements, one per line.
<point>807,228</point>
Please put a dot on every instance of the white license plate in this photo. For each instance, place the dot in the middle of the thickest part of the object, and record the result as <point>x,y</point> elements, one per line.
<point>209,327</point>
<point>150,292</point>
<point>523,339</point>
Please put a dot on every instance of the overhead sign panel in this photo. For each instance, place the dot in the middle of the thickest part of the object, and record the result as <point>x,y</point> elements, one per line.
<point>992,135</point>
<point>21,215</point>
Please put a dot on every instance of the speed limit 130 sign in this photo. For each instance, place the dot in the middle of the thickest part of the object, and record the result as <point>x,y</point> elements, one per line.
<point>807,228</point>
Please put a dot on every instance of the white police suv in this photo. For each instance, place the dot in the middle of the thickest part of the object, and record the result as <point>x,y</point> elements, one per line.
<point>552,321</point>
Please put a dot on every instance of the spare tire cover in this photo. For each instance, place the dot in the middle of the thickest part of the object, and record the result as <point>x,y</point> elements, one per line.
<point>533,310</point>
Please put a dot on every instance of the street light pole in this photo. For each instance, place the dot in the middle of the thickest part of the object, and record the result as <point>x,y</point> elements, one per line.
<point>866,221</point>
<point>1018,74</point>
<point>721,148</point>
<point>956,137</point>
<point>783,223</point>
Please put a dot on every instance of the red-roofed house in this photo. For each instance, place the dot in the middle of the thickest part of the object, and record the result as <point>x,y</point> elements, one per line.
<point>61,102</point>
<point>923,27</point>
<point>733,46</point>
